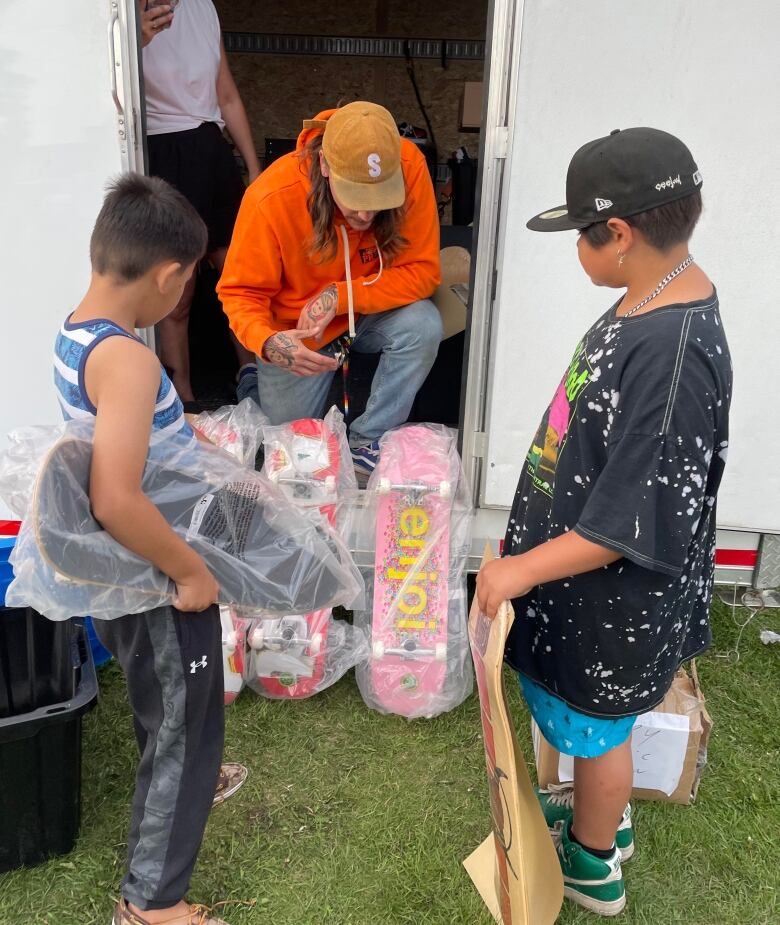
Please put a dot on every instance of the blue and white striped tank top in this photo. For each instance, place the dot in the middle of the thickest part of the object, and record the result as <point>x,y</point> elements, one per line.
<point>74,344</point>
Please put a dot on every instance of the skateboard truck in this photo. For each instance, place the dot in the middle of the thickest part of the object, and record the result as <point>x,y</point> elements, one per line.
<point>285,636</point>
<point>410,650</point>
<point>386,486</point>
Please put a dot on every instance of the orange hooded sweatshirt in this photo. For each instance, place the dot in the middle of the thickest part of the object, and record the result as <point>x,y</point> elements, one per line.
<point>269,276</point>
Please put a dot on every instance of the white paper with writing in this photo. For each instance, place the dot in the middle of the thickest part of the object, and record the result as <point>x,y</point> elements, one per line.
<point>658,744</point>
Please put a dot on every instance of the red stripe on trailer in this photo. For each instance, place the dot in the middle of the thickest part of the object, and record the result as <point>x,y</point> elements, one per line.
<point>745,558</point>
<point>10,527</point>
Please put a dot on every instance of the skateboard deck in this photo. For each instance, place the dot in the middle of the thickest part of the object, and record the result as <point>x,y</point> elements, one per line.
<point>288,654</point>
<point>415,480</point>
<point>516,868</point>
<point>264,554</point>
<point>234,643</point>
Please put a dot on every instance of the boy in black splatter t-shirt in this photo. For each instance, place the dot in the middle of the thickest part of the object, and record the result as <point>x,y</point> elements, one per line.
<point>609,551</point>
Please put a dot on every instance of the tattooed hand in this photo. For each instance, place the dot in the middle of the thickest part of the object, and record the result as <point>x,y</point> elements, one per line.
<point>318,312</point>
<point>286,350</point>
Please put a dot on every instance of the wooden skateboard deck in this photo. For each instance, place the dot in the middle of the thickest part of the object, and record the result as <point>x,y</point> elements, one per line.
<point>516,869</point>
<point>415,480</point>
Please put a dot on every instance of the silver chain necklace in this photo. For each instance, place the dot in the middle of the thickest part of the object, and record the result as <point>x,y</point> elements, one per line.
<point>661,286</point>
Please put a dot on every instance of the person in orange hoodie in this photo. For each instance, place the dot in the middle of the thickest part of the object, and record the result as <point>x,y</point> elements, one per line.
<point>336,248</point>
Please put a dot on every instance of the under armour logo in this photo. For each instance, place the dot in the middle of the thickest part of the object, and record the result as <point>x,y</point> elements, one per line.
<point>374,167</point>
<point>203,663</point>
<point>602,204</point>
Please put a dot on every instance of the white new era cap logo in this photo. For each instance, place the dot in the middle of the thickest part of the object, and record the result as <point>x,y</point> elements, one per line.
<point>602,204</point>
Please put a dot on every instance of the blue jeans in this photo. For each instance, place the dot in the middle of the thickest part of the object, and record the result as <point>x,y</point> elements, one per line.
<point>408,339</point>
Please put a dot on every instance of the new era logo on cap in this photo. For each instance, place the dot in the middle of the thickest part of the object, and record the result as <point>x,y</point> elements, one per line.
<point>602,204</point>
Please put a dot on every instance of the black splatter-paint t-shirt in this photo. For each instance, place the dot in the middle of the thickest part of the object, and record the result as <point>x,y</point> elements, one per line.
<point>630,455</point>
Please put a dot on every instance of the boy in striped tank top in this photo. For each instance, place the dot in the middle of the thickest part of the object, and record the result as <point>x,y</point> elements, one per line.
<point>144,247</point>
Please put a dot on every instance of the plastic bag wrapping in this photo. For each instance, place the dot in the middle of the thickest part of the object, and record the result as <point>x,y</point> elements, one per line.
<point>299,654</point>
<point>20,461</point>
<point>413,539</point>
<point>237,429</point>
<point>310,459</point>
<point>234,651</point>
<point>265,554</point>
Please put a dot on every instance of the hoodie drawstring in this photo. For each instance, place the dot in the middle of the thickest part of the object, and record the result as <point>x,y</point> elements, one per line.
<point>348,277</point>
<point>346,340</point>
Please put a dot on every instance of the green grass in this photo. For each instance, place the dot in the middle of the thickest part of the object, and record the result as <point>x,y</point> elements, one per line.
<point>352,817</point>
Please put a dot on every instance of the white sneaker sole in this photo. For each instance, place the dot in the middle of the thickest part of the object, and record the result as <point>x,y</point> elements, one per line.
<point>614,907</point>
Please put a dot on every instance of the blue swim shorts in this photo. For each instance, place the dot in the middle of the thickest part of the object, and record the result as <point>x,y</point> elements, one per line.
<point>568,730</point>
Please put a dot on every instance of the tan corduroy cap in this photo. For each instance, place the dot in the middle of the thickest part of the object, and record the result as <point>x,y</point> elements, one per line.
<point>362,147</point>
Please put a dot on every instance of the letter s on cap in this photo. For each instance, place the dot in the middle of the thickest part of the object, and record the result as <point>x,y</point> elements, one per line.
<point>374,168</point>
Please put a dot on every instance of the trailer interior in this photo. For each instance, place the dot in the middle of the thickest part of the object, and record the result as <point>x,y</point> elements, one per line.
<point>425,64</point>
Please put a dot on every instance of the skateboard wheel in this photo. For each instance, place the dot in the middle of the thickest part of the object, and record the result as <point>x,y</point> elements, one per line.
<point>256,638</point>
<point>378,648</point>
<point>230,642</point>
<point>330,484</point>
<point>444,489</point>
<point>384,486</point>
<point>441,651</point>
<point>315,646</point>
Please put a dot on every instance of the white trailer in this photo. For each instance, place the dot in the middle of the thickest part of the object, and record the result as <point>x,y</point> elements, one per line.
<point>558,74</point>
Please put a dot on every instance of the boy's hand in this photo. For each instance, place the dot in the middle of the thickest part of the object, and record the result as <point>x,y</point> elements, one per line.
<point>499,581</point>
<point>196,592</point>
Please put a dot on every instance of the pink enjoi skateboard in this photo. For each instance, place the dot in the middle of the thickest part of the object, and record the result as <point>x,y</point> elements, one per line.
<point>288,653</point>
<point>234,641</point>
<point>415,480</point>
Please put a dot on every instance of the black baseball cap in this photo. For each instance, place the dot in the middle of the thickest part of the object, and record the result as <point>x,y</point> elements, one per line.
<point>624,173</point>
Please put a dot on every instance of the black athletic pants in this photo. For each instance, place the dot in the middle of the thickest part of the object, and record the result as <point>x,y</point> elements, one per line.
<point>173,665</point>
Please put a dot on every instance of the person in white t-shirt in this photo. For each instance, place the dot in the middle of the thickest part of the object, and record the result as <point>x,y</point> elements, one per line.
<point>190,98</point>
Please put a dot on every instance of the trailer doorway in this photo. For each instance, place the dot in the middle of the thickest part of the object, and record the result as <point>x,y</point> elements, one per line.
<point>425,64</point>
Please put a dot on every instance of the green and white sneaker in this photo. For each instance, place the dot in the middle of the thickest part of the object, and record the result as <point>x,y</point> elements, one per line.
<point>589,881</point>
<point>557,803</point>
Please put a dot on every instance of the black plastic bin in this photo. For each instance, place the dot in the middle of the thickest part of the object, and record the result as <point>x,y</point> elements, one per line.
<point>46,669</point>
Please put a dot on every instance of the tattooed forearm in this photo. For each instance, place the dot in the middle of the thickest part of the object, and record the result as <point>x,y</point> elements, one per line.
<point>324,305</point>
<point>280,349</point>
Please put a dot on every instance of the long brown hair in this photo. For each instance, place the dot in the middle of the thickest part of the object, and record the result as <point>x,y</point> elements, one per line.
<point>323,243</point>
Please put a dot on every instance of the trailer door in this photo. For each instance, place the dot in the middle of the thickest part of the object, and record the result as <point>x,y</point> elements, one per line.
<point>709,73</point>
<point>70,117</point>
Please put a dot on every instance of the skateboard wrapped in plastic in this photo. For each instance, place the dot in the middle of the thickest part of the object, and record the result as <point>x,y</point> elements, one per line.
<point>265,554</point>
<point>237,429</point>
<point>418,524</point>
<point>299,654</point>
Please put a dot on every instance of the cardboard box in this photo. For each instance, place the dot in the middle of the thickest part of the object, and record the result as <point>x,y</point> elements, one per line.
<point>669,746</point>
<point>471,106</point>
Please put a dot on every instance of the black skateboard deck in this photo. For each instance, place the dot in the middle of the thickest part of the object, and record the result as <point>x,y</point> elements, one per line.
<point>264,554</point>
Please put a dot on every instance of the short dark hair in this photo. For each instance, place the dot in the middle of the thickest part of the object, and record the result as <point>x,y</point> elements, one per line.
<point>144,221</point>
<point>662,227</point>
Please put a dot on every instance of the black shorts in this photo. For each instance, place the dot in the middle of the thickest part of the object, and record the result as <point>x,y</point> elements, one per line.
<point>200,164</point>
